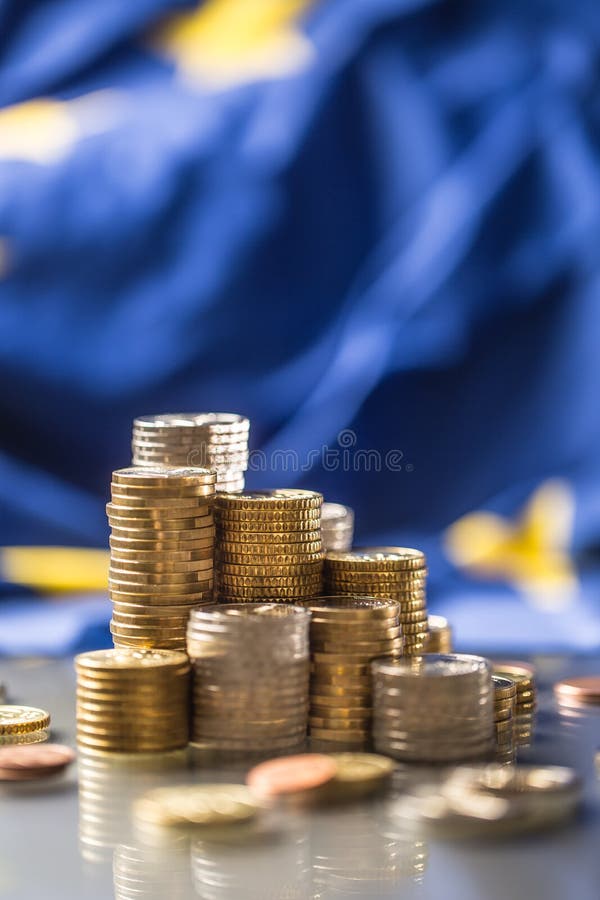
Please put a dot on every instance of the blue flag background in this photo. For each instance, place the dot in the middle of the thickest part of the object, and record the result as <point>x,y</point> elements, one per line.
<point>369,225</point>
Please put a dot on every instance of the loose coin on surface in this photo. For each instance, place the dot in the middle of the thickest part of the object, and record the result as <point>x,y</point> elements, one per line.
<point>22,719</point>
<point>196,804</point>
<point>585,690</point>
<point>28,762</point>
<point>291,774</point>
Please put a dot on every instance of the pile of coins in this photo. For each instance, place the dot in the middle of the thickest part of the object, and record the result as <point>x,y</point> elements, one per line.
<point>505,702</point>
<point>23,725</point>
<point>250,676</point>
<point>132,701</point>
<point>161,553</point>
<point>337,526</point>
<point>439,639</point>
<point>346,633</point>
<point>268,546</point>
<point>523,676</point>
<point>216,441</point>
<point>397,573</point>
<point>434,708</point>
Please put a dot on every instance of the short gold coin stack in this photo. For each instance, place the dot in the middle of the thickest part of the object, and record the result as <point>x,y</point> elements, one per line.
<point>526,701</point>
<point>216,441</point>
<point>23,725</point>
<point>161,552</point>
<point>337,526</point>
<point>505,703</point>
<point>268,546</point>
<point>132,701</point>
<point>397,573</point>
<point>439,639</point>
<point>250,676</point>
<point>346,633</point>
<point>433,708</point>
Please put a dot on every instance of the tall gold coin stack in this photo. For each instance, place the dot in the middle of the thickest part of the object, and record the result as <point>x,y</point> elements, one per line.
<point>250,676</point>
<point>268,546</point>
<point>433,708</point>
<point>346,633</point>
<point>132,701</point>
<point>337,526</point>
<point>439,639</point>
<point>161,553</point>
<point>216,441</point>
<point>397,573</point>
<point>505,704</point>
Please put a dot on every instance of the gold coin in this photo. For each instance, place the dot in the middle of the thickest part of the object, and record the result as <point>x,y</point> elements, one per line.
<point>403,558</point>
<point>239,564</point>
<point>355,649</point>
<point>16,720</point>
<point>362,769</point>
<point>126,582</point>
<point>284,498</point>
<point>140,629</point>
<point>195,569</point>
<point>127,550</point>
<point>306,567</point>
<point>162,599</point>
<point>271,594</point>
<point>184,540</point>
<point>155,528</point>
<point>414,617</point>
<point>271,547</point>
<point>148,514</point>
<point>320,631</point>
<point>111,661</point>
<point>165,476</point>
<point>242,529</point>
<point>196,804</point>
<point>269,581</point>
<point>231,521</point>
<point>351,607</point>
<point>284,541</point>
<point>142,618</point>
<point>161,492</point>
<point>160,504</point>
<point>340,736</point>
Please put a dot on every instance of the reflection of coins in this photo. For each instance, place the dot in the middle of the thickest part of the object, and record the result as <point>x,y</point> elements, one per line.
<point>291,775</point>
<point>16,720</point>
<point>196,804</point>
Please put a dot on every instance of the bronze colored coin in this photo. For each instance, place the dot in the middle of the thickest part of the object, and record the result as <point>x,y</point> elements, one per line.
<point>158,537</point>
<point>16,720</point>
<point>165,475</point>
<point>198,502</point>
<point>291,774</point>
<point>285,498</point>
<point>584,690</point>
<point>384,557</point>
<point>29,762</point>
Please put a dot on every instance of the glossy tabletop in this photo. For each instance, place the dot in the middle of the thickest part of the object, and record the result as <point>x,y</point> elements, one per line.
<point>61,843</point>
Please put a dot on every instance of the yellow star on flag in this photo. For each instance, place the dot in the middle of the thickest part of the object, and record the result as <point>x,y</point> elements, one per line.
<point>223,43</point>
<point>531,553</point>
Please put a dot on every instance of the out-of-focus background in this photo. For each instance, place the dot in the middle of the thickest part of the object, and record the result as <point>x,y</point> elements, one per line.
<point>369,225</point>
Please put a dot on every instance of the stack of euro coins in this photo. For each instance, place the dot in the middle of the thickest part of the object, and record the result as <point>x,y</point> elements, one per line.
<point>433,708</point>
<point>337,526</point>
<point>268,546</point>
<point>346,633</point>
<point>439,639</point>
<point>250,669</point>
<point>161,552</point>
<point>216,441</point>
<point>505,696</point>
<point>397,573</point>
<point>524,678</point>
<point>132,701</point>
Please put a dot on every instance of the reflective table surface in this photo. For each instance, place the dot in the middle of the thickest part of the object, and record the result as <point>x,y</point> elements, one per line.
<point>72,838</point>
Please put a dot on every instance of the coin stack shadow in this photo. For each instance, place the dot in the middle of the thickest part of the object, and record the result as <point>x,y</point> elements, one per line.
<point>208,440</point>
<point>132,701</point>
<point>337,526</point>
<point>268,546</point>
<point>526,700</point>
<point>346,634</point>
<point>505,704</point>
<point>397,573</point>
<point>361,852</point>
<point>161,553</point>
<point>249,677</point>
<point>433,708</point>
<point>439,638</point>
<point>108,785</point>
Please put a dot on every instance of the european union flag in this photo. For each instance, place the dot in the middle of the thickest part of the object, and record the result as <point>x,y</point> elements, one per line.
<point>369,225</point>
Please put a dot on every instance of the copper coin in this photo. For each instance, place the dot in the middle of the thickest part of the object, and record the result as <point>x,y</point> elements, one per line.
<point>27,762</point>
<point>291,774</point>
<point>585,689</point>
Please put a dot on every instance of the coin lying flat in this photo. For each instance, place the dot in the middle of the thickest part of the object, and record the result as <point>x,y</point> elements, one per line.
<point>22,719</point>
<point>582,690</point>
<point>196,804</point>
<point>291,774</point>
<point>29,762</point>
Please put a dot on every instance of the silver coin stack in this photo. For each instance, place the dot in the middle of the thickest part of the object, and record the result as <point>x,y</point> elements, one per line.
<point>433,708</point>
<point>210,440</point>
<point>337,526</point>
<point>250,665</point>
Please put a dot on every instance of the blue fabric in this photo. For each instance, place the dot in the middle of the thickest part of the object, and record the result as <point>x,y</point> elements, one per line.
<point>400,238</point>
